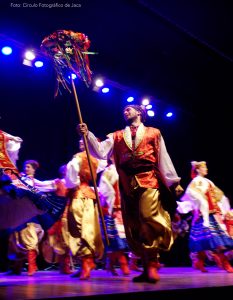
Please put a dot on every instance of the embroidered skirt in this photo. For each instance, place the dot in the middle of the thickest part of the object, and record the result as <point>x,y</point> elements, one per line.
<point>209,238</point>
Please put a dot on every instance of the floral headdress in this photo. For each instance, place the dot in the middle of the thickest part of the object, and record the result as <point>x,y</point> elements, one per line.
<point>195,165</point>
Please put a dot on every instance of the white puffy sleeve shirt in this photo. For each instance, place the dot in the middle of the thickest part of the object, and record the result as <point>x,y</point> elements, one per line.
<point>103,150</point>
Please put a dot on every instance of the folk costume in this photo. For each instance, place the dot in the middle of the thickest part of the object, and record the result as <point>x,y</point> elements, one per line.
<point>83,233</point>
<point>54,247</point>
<point>145,174</point>
<point>24,241</point>
<point>208,230</point>
<point>25,212</point>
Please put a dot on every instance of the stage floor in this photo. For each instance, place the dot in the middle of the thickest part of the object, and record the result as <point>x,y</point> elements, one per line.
<point>174,282</point>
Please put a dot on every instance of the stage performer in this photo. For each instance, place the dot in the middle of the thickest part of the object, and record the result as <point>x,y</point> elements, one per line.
<point>25,211</point>
<point>9,148</point>
<point>24,242</point>
<point>208,229</point>
<point>111,207</point>
<point>83,233</point>
<point>54,247</point>
<point>145,174</point>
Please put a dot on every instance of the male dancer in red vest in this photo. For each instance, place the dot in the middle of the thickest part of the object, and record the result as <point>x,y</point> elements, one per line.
<point>145,174</point>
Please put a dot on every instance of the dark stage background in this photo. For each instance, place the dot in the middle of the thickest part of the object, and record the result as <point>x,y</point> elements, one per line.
<point>179,52</point>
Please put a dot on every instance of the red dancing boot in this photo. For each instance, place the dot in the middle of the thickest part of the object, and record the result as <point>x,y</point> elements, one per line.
<point>152,272</point>
<point>91,263</point>
<point>65,265</point>
<point>200,262</point>
<point>225,262</point>
<point>32,267</point>
<point>87,265</point>
<point>124,266</point>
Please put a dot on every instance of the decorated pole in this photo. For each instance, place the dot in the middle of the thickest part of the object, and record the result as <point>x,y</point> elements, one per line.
<point>89,162</point>
<point>69,52</point>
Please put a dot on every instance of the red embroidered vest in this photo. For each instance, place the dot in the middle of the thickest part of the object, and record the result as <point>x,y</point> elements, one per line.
<point>140,163</point>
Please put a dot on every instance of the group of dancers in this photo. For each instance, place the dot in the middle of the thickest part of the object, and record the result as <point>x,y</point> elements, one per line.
<point>138,190</point>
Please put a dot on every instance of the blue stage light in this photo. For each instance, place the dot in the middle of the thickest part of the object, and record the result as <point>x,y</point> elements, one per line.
<point>169,114</point>
<point>105,90</point>
<point>150,113</point>
<point>6,50</point>
<point>130,99</point>
<point>39,64</point>
<point>149,106</point>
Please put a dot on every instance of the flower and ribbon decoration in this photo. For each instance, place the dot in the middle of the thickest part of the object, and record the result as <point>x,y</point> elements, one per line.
<point>69,52</point>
